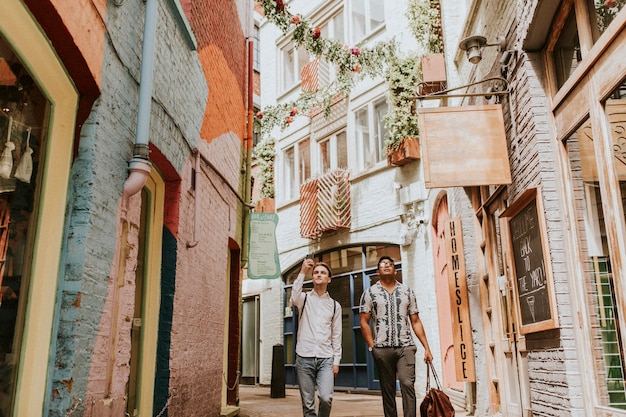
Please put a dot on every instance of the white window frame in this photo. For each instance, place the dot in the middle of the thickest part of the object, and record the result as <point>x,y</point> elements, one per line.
<point>369,156</point>
<point>333,141</point>
<point>291,170</point>
<point>368,29</point>
<point>289,65</point>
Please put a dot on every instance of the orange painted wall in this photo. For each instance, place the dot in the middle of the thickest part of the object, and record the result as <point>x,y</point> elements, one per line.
<point>222,51</point>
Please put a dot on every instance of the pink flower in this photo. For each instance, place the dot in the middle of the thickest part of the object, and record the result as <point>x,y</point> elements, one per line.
<point>316,33</point>
<point>295,20</point>
<point>288,119</point>
<point>610,3</point>
<point>259,115</point>
<point>355,51</point>
<point>293,111</point>
<point>280,5</point>
<point>356,68</point>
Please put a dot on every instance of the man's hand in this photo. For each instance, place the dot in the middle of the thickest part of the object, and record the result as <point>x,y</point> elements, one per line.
<point>335,370</point>
<point>307,266</point>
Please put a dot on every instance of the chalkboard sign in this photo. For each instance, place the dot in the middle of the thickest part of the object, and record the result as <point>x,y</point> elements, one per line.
<point>531,271</point>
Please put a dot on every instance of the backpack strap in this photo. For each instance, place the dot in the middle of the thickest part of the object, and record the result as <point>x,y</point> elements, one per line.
<point>302,309</point>
<point>304,304</point>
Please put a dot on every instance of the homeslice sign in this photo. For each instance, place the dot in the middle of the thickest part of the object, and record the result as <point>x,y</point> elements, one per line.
<point>262,250</point>
<point>457,281</point>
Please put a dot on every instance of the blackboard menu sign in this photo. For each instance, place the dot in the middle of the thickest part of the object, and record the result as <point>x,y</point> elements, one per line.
<point>532,274</point>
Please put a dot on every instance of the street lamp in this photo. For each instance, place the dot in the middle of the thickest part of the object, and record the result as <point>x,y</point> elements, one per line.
<point>473,46</point>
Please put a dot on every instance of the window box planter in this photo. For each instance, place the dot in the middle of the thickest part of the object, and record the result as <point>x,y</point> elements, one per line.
<point>407,151</point>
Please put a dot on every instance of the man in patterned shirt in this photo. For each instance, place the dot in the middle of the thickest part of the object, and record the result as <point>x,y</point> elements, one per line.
<point>393,309</point>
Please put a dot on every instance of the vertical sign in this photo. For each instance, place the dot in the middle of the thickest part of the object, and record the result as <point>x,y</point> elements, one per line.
<point>262,248</point>
<point>457,281</point>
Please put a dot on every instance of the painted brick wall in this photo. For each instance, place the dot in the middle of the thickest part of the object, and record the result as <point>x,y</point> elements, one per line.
<point>189,367</point>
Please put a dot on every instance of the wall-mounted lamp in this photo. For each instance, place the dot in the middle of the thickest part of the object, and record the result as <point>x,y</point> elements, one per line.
<point>473,46</point>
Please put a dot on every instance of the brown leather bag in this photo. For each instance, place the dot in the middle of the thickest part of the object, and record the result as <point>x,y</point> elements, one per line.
<point>436,403</point>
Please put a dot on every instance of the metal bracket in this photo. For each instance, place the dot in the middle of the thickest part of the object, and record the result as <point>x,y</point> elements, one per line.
<point>495,90</point>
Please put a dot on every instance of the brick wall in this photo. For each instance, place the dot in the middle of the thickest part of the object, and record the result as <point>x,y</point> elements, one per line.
<point>186,107</point>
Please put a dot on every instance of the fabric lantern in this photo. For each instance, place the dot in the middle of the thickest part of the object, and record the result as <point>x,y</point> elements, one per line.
<point>24,168</point>
<point>6,161</point>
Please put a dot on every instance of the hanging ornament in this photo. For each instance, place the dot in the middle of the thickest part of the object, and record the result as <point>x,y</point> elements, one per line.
<point>6,161</point>
<point>24,168</point>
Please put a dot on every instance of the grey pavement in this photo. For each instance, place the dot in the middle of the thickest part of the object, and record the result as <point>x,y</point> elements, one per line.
<point>256,401</point>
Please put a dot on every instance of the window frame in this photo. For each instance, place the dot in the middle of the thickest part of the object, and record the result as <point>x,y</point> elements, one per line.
<point>368,30</point>
<point>375,128</point>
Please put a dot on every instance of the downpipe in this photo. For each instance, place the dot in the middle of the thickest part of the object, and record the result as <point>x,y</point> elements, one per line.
<point>140,166</point>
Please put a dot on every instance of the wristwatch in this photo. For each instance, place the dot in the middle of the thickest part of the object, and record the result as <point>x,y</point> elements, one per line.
<point>370,348</point>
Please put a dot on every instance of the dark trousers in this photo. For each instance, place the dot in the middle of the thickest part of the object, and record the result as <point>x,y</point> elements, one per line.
<point>391,362</point>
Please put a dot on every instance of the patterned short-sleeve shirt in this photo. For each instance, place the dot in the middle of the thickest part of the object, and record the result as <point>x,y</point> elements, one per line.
<point>391,314</point>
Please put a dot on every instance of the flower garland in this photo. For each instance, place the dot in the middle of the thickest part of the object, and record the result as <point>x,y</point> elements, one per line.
<point>352,65</point>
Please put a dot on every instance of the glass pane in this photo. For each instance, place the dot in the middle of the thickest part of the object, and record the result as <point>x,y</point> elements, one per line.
<point>605,12</point>
<point>339,289</point>
<point>566,52</point>
<point>605,317</point>
<point>377,14</point>
<point>615,108</point>
<point>358,20</point>
<point>290,353</point>
<point>23,119</point>
<point>289,177</point>
<point>325,155</point>
<point>304,149</point>
<point>342,150</point>
<point>363,138</point>
<point>358,289</point>
<point>380,110</point>
<point>344,260</point>
<point>249,342</point>
<point>289,78</point>
<point>338,28</point>
<point>303,59</point>
<point>373,253</point>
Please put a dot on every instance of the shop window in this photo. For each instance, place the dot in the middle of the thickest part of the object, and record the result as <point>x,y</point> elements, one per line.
<point>607,321</point>
<point>604,12</point>
<point>23,110</point>
<point>567,53</point>
<point>573,34</point>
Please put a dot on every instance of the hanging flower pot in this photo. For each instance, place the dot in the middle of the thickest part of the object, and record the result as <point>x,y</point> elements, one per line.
<point>407,151</point>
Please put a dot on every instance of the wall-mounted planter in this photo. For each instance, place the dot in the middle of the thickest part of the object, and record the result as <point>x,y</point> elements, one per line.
<point>433,74</point>
<point>408,151</point>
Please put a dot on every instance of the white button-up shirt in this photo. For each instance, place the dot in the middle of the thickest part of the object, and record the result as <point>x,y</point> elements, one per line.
<point>319,330</point>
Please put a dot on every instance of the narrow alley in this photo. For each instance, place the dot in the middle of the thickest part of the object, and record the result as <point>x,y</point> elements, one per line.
<point>255,401</point>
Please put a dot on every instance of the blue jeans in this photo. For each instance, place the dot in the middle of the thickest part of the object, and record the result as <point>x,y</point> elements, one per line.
<point>311,373</point>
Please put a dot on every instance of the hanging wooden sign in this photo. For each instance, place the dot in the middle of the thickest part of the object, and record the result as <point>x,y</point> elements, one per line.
<point>464,146</point>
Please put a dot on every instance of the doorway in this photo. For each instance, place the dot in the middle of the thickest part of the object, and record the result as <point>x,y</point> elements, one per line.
<point>250,340</point>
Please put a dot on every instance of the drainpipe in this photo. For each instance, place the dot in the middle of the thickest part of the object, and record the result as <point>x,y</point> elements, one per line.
<point>140,166</point>
<point>248,149</point>
<point>196,207</point>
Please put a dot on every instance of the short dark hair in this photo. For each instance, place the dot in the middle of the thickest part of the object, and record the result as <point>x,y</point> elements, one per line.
<point>382,258</point>
<point>325,265</point>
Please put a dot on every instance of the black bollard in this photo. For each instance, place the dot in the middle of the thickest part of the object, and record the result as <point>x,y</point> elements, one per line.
<point>278,372</point>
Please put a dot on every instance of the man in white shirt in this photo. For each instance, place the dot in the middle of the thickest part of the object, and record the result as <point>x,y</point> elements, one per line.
<point>318,346</point>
